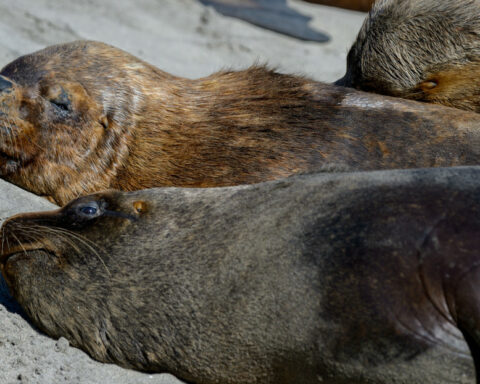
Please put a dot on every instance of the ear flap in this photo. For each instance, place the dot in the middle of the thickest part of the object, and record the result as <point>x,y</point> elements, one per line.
<point>428,85</point>
<point>104,121</point>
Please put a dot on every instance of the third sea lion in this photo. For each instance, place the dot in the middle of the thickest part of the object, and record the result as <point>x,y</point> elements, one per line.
<point>426,50</point>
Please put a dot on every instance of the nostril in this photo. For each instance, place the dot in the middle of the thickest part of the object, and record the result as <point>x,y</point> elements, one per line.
<point>5,85</point>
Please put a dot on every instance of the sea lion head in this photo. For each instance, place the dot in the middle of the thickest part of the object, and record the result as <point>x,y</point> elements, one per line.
<point>86,246</point>
<point>422,50</point>
<point>65,114</point>
<point>83,232</point>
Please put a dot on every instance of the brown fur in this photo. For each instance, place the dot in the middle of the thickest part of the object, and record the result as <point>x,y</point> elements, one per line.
<point>356,5</point>
<point>84,116</point>
<point>425,50</point>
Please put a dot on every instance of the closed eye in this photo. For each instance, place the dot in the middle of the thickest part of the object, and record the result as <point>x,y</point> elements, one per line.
<point>61,105</point>
<point>62,101</point>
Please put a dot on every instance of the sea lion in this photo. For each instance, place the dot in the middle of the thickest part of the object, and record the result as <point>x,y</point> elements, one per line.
<point>84,117</point>
<point>425,50</point>
<point>356,5</point>
<point>367,277</point>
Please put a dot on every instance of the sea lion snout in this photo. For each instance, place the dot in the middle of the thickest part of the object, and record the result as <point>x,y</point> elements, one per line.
<point>5,85</point>
<point>70,234</point>
<point>16,232</point>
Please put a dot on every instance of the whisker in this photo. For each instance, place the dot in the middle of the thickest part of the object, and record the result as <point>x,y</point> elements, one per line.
<point>42,230</point>
<point>27,137</point>
<point>3,238</point>
<point>19,243</point>
<point>8,243</point>
<point>33,239</point>
<point>10,134</point>
<point>86,242</point>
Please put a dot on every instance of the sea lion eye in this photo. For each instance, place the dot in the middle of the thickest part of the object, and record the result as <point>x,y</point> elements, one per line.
<point>89,210</point>
<point>62,106</point>
<point>61,100</point>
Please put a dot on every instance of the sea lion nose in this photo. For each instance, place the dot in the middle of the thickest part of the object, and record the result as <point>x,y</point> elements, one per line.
<point>5,85</point>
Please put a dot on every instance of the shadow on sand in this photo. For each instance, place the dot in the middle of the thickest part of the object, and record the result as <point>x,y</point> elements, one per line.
<point>8,301</point>
<point>274,15</point>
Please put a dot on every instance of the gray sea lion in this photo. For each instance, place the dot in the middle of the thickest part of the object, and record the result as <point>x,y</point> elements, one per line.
<point>366,277</point>
<point>84,117</point>
<point>426,50</point>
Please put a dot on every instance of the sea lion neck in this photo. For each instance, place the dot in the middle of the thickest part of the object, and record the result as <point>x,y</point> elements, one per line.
<point>448,270</point>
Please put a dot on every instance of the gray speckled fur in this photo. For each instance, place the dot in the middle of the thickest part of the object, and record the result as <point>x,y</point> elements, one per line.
<point>291,281</point>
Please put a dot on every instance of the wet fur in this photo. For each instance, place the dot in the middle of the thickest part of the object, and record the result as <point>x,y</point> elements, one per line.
<point>365,277</point>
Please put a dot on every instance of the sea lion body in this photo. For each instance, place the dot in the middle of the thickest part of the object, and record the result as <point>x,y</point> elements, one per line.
<point>425,50</point>
<point>362,277</point>
<point>83,117</point>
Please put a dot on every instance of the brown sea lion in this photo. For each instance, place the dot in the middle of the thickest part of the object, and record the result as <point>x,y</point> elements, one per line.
<point>356,5</point>
<point>367,277</point>
<point>425,50</point>
<point>84,117</point>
